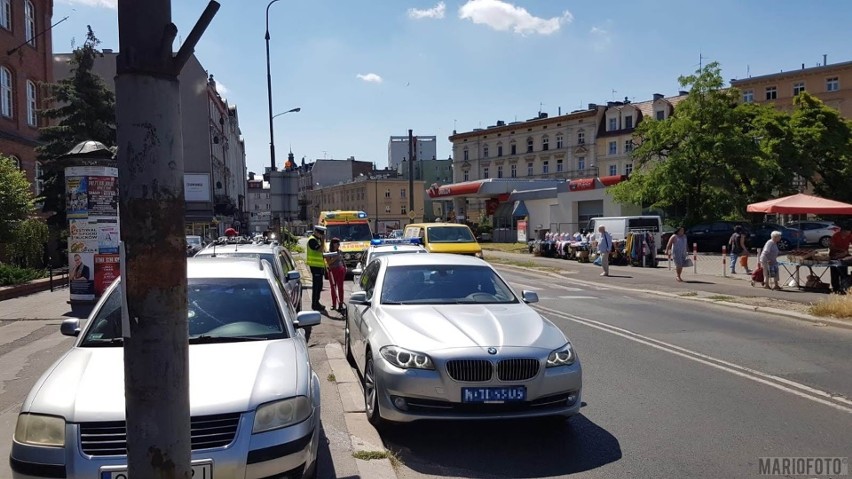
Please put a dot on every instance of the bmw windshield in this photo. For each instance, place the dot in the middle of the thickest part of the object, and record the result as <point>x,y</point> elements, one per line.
<point>444,284</point>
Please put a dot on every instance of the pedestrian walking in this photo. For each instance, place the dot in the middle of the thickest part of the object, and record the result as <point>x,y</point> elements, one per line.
<point>838,252</point>
<point>603,244</point>
<point>316,245</point>
<point>736,247</point>
<point>336,273</point>
<point>744,255</point>
<point>769,260</point>
<point>677,250</point>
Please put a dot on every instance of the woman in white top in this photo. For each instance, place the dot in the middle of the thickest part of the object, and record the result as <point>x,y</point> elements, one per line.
<point>769,260</point>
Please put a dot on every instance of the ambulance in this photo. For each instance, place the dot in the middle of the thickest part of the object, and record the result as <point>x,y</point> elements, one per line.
<point>352,228</point>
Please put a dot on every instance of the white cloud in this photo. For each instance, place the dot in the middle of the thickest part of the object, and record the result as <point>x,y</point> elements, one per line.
<point>504,16</point>
<point>601,38</point>
<point>113,4</point>
<point>435,12</point>
<point>370,77</point>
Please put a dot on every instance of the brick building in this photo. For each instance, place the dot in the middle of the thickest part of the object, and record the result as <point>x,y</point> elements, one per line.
<point>25,67</point>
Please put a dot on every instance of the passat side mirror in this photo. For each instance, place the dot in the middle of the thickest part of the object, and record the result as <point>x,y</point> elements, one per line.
<point>359,297</point>
<point>305,319</point>
<point>293,276</point>
<point>530,296</point>
<point>70,327</point>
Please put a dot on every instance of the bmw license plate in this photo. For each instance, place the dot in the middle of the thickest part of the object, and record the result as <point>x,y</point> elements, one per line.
<point>504,394</point>
<point>199,471</point>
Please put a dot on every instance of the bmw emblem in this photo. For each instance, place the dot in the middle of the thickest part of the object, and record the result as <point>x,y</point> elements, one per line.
<point>492,350</point>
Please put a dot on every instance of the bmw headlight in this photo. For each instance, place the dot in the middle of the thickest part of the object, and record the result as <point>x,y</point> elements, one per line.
<point>278,414</point>
<point>39,430</point>
<point>405,359</point>
<point>563,356</point>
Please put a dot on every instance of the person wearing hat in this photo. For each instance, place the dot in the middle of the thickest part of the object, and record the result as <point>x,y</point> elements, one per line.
<point>316,262</point>
<point>839,251</point>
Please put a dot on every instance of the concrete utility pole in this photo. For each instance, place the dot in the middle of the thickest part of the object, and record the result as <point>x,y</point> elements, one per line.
<point>151,202</point>
<point>411,152</point>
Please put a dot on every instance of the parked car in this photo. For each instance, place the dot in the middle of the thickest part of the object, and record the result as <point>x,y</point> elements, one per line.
<point>254,401</point>
<point>711,236</point>
<point>816,232</point>
<point>384,247</point>
<point>445,238</point>
<point>194,244</point>
<point>790,237</point>
<point>442,336</point>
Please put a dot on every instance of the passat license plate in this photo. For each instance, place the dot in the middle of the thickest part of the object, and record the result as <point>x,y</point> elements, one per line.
<point>199,471</point>
<point>503,394</point>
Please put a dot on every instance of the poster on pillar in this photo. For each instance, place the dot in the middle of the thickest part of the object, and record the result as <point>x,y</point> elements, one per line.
<point>93,230</point>
<point>522,231</point>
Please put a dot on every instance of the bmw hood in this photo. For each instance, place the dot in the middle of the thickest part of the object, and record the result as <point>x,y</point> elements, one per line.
<point>435,327</point>
<point>87,384</point>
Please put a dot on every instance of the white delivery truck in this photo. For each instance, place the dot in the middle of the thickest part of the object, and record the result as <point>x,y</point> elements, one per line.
<point>619,226</point>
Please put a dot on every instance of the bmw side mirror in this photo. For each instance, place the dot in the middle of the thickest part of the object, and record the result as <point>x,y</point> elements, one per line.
<point>306,319</point>
<point>530,296</point>
<point>293,276</point>
<point>359,297</point>
<point>70,327</point>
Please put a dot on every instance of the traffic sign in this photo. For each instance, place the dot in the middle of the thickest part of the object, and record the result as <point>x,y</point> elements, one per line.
<point>412,215</point>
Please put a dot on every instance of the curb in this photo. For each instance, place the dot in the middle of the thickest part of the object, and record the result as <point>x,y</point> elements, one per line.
<point>745,307</point>
<point>362,434</point>
<point>34,286</point>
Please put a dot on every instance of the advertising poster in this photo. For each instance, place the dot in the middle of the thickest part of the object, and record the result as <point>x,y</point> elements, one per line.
<point>83,237</point>
<point>102,196</point>
<point>107,270</point>
<point>108,237</point>
<point>81,276</point>
<point>522,231</point>
<point>76,196</point>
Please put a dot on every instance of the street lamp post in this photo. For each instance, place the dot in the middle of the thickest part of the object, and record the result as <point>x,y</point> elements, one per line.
<point>269,92</point>
<point>293,110</point>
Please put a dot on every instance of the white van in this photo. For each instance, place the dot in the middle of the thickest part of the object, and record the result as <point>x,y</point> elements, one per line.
<point>619,226</point>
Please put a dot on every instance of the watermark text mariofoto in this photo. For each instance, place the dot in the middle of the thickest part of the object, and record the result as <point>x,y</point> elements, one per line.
<point>803,466</point>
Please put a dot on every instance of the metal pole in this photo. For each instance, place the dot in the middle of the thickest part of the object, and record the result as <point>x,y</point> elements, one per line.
<point>269,92</point>
<point>151,199</point>
<point>376,187</point>
<point>410,170</point>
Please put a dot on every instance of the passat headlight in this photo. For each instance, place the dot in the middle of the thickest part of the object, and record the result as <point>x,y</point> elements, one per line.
<point>405,359</point>
<point>278,414</point>
<point>563,356</point>
<point>39,430</point>
<point>479,255</point>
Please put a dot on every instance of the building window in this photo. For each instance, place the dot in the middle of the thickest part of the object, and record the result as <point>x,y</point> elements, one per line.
<point>499,150</point>
<point>559,168</point>
<point>558,141</point>
<point>32,119</point>
<point>29,22</point>
<point>613,170</point>
<point>529,145</point>
<point>402,193</point>
<point>545,143</point>
<point>581,137</point>
<point>6,14</point>
<point>545,167</point>
<point>485,151</point>
<point>402,210</point>
<point>581,163</point>
<point>748,96</point>
<point>387,208</point>
<point>661,115</point>
<point>466,154</point>
<point>628,169</point>
<point>513,171</point>
<point>832,84</point>
<point>613,148</point>
<point>485,172</point>
<point>628,146</point>
<point>613,124</point>
<point>513,148</point>
<point>39,181</point>
<point>16,161</point>
<point>771,93</point>
<point>466,176</point>
<point>499,171</point>
<point>529,169</point>
<point>798,87</point>
<point>6,92</point>
<point>628,122</point>
<point>387,193</point>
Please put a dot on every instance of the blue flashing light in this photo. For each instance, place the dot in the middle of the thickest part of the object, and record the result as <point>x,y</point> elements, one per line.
<point>361,214</point>
<point>375,242</point>
<point>394,241</point>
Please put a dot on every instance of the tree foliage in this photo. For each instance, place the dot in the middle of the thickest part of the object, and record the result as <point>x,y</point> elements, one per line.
<point>84,109</point>
<point>16,198</point>
<point>29,239</point>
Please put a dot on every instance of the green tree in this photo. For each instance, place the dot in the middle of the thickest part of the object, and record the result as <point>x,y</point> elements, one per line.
<point>84,109</point>
<point>27,247</point>
<point>703,162</point>
<point>821,147</point>
<point>16,198</point>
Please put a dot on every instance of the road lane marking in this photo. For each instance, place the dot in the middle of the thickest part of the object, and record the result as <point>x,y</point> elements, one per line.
<point>792,387</point>
<point>526,286</point>
<point>578,297</point>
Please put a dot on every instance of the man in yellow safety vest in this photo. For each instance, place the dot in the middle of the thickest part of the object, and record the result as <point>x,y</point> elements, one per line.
<point>317,265</point>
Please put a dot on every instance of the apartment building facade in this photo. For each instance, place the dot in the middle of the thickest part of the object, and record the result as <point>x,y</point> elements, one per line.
<point>258,204</point>
<point>25,69</point>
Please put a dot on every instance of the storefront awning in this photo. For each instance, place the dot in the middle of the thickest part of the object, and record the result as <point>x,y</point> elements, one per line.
<point>520,209</point>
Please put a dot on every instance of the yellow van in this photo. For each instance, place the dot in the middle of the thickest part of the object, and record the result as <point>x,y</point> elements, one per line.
<point>445,238</point>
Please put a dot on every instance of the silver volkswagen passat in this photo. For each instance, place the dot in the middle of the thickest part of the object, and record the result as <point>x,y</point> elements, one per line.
<point>254,397</point>
<point>440,336</point>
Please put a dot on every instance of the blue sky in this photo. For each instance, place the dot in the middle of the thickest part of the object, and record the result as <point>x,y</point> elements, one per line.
<point>466,63</point>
